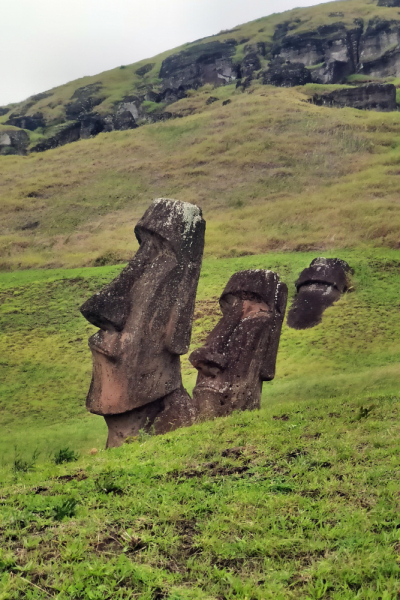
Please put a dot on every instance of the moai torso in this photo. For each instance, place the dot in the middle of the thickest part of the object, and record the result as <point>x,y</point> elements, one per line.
<point>145,315</point>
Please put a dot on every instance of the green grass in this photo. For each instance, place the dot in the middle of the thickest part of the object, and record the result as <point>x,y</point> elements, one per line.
<point>45,364</point>
<point>271,172</point>
<point>305,506</point>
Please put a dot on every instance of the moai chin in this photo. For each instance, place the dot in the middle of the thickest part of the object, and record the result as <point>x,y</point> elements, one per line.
<point>318,287</point>
<point>240,353</point>
<point>145,321</point>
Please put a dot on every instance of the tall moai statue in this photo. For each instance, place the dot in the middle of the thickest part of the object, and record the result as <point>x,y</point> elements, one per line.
<point>240,353</point>
<point>318,287</point>
<point>145,321</point>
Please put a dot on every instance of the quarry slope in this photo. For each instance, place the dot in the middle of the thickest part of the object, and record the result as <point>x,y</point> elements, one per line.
<point>296,501</point>
<point>334,43</point>
<point>269,169</point>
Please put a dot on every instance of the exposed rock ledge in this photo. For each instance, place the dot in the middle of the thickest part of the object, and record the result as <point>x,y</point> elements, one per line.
<point>13,141</point>
<point>374,96</point>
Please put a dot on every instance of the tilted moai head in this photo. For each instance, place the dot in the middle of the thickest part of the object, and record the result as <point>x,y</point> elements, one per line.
<point>240,353</point>
<point>318,287</point>
<point>145,319</point>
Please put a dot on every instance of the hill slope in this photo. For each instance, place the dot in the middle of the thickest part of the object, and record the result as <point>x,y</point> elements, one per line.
<point>296,501</point>
<point>270,170</point>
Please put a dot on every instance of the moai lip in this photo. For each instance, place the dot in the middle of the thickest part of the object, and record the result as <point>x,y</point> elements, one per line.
<point>318,287</point>
<point>145,321</point>
<point>240,353</point>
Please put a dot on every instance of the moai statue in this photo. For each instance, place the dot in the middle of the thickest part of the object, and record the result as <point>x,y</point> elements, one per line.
<point>145,318</point>
<point>318,287</point>
<point>240,353</point>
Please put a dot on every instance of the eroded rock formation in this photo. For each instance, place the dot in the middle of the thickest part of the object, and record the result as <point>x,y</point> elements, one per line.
<point>240,353</point>
<point>283,73</point>
<point>318,287</point>
<point>145,319</point>
<point>373,96</point>
<point>210,62</point>
<point>13,141</point>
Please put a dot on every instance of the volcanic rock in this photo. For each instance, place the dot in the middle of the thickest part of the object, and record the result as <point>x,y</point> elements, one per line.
<point>286,74</point>
<point>240,353</point>
<point>318,287</point>
<point>13,141</point>
<point>373,96</point>
<point>199,64</point>
<point>145,320</point>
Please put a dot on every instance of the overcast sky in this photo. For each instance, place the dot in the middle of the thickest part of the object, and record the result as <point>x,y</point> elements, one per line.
<point>45,43</point>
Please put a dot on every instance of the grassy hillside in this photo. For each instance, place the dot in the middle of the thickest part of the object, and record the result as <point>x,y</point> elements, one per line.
<point>270,170</point>
<point>45,363</point>
<point>297,501</point>
<point>124,79</point>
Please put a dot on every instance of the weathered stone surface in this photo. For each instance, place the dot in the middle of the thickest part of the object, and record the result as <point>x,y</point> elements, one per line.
<point>211,100</point>
<point>379,54</point>
<point>318,287</point>
<point>30,225</point>
<point>199,64</point>
<point>145,319</point>
<point>65,135</point>
<point>334,71</point>
<point>83,101</point>
<point>89,125</point>
<point>250,64</point>
<point>240,353</point>
<point>332,49</point>
<point>13,141</point>
<point>145,69</point>
<point>389,3</point>
<point>4,110</point>
<point>373,96</point>
<point>286,74</point>
<point>27,122</point>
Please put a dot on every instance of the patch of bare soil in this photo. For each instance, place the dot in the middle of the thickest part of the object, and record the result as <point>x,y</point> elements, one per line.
<point>79,476</point>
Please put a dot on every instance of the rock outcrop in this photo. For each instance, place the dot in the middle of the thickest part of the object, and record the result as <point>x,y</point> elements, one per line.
<point>286,74</point>
<point>88,126</point>
<point>13,141</point>
<point>373,96</point>
<point>390,3</point>
<point>211,62</point>
<point>331,50</point>
<point>83,101</point>
<point>27,122</point>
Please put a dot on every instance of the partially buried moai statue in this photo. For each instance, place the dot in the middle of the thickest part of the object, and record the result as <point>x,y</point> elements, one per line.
<point>240,353</point>
<point>145,318</point>
<point>318,287</point>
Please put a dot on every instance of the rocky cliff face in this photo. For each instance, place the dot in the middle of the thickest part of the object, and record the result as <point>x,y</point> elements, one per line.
<point>296,53</point>
<point>334,52</point>
<point>13,141</point>
<point>200,64</point>
<point>373,96</point>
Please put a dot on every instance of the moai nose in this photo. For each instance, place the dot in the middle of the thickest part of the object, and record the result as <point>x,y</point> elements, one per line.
<point>208,363</point>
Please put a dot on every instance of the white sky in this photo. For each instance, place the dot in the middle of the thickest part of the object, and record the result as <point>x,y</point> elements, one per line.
<point>45,43</point>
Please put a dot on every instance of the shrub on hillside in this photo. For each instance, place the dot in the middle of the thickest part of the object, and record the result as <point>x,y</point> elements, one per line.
<point>65,455</point>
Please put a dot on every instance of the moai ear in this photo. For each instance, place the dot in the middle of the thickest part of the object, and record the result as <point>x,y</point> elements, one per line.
<point>269,363</point>
<point>181,321</point>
